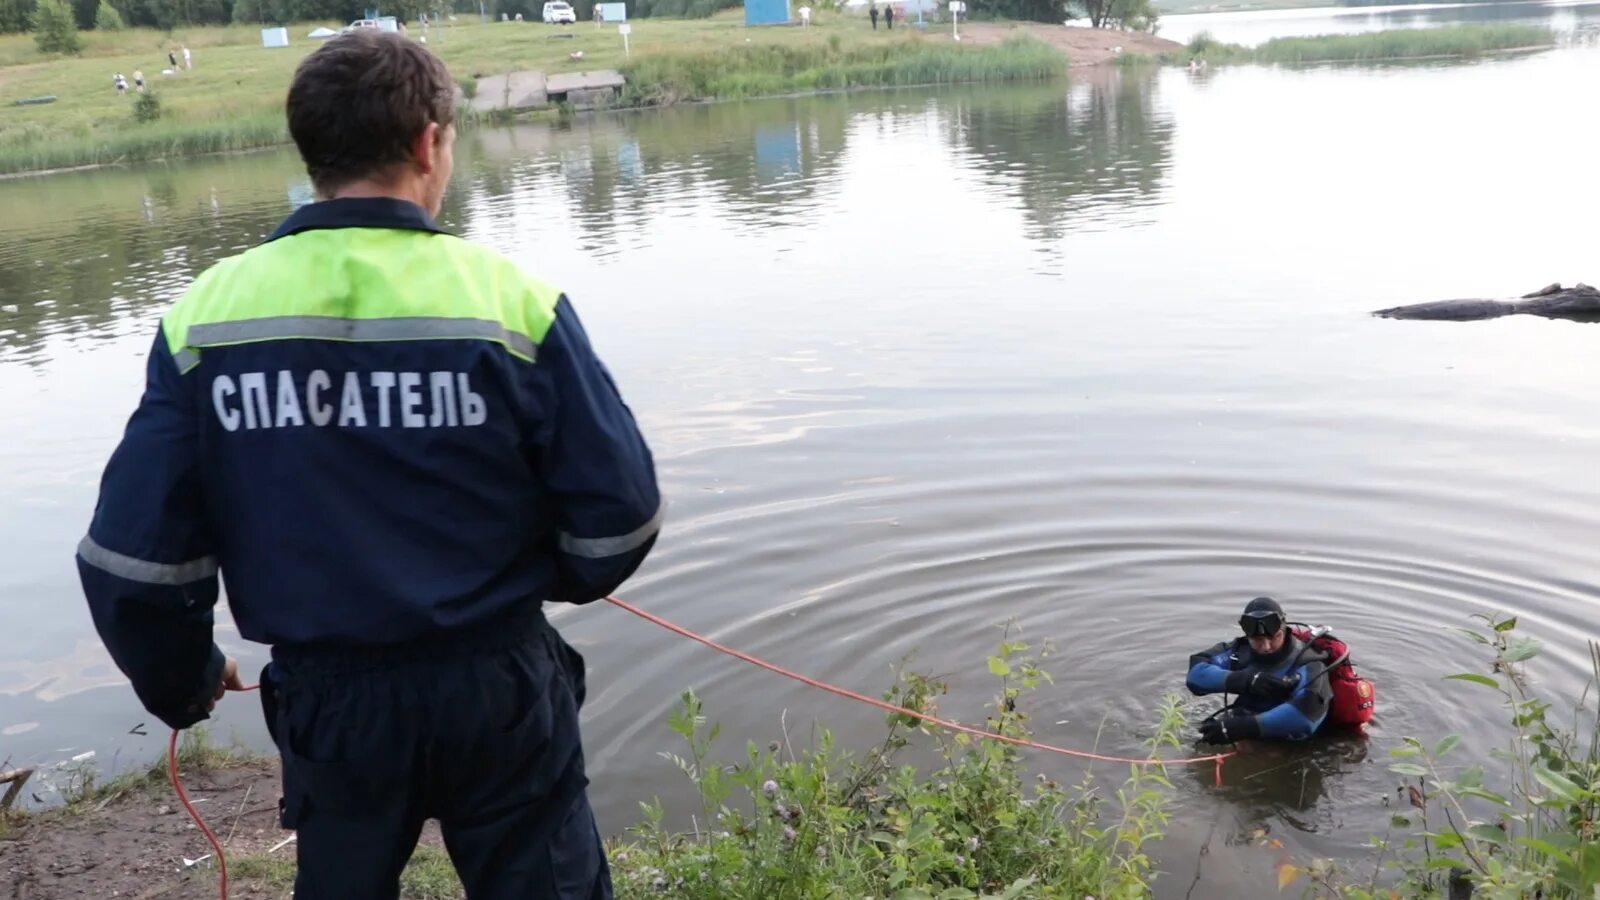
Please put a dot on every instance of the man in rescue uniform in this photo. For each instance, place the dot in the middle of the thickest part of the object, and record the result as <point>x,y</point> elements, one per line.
<point>396,447</point>
<point>1281,685</point>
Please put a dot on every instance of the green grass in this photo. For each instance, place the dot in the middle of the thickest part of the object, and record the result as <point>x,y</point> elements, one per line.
<point>428,876</point>
<point>788,821</point>
<point>1376,46</point>
<point>36,151</point>
<point>197,752</point>
<point>233,98</point>
<point>83,792</point>
<point>771,70</point>
<point>1404,43</point>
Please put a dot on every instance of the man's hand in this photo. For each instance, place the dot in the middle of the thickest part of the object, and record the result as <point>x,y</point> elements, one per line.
<point>230,682</point>
<point>1228,729</point>
<point>1272,687</point>
<point>1212,731</point>
<point>1260,684</point>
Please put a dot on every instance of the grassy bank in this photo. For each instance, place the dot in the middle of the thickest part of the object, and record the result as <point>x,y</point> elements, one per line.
<point>771,70</point>
<point>785,820</point>
<point>1376,46</point>
<point>81,790</point>
<point>159,140</point>
<point>233,98</point>
<point>428,875</point>
<point>788,821</point>
<point>1406,43</point>
<point>792,821</point>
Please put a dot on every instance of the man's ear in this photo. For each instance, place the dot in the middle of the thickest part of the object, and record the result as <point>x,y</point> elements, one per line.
<point>425,148</point>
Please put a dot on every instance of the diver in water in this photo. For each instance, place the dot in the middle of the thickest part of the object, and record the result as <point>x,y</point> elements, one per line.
<point>1279,677</point>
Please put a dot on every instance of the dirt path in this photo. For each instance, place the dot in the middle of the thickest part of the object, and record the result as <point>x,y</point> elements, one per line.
<point>1083,46</point>
<point>133,847</point>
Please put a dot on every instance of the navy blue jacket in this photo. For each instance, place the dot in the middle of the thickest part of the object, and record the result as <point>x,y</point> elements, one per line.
<point>375,432</point>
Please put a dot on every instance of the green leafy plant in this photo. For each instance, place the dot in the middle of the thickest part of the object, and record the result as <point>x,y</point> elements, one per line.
<point>814,822</point>
<point>1526,828</point>
<point>148,107</point>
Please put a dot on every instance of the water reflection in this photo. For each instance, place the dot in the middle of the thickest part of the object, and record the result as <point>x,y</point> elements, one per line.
<point>1094,157</point>
<point>83,668</point>
<point>79,251</point>
<point>1572,22</point>
<point>757,165</point>
<point>886,425</point>
<point>1288,783</point>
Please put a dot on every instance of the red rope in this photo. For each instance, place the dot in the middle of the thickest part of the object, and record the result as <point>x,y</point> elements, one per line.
<point>1216,758</point>
<point>183,796</point>
<point>890,707</point>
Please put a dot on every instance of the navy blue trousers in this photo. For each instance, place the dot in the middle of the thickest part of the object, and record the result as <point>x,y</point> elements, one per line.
<point>478,730</point>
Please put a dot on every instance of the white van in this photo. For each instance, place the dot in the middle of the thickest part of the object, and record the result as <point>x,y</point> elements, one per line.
<point>382,23</point>
<point>559,11</point>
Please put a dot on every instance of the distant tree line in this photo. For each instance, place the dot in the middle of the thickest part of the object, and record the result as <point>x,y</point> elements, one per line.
<point>584,9</point>
<point>19,15</point>
<point>1136,15</point>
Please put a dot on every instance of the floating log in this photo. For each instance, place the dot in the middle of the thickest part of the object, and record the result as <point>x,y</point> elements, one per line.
<point>1579,304</point>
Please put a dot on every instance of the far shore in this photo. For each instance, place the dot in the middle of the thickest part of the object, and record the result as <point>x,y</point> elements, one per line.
<point>232,100</point>
<point>1083,46</point>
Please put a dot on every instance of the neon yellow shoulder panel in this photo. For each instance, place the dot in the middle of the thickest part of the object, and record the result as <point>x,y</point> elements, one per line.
<point>363,284</point>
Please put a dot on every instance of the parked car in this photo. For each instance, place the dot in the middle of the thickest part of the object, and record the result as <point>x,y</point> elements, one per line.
<point>382,23</point>
<point>559,12</point>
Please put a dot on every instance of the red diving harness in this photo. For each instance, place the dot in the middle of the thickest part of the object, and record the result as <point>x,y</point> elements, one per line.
<point>1354,698</point>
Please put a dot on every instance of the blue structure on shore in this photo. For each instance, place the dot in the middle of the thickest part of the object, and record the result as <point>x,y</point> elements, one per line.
<point>766,12</point>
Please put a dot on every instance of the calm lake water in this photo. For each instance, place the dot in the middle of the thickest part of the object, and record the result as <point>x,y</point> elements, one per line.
<point>1573,21</point>
<point>1092,357</point>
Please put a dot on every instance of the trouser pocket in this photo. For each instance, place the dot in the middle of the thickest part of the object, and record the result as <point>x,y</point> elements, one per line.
<point>570,663</point>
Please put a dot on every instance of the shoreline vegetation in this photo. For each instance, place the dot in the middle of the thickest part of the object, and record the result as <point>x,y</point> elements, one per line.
<point>1397,45</point>
<point>232,99</point>
<point>664,79</point>
<point>808,819</point>
<point>746,72</point>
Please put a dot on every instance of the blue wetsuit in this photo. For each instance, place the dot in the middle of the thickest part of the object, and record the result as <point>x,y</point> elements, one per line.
<point>1226,667</point>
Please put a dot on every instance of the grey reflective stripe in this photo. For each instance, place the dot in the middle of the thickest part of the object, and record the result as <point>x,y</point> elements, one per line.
<point>409,328</point>
<point>147,572</point>
<point>186,359</point>
<point>599,548</point>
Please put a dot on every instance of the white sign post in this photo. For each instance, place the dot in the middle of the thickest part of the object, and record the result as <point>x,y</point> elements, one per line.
<point>957,7</point>
<point>625,29</point>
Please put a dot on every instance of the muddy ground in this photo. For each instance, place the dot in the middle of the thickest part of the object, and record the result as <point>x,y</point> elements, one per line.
<point>133,846</point>
<point>1083,46</point>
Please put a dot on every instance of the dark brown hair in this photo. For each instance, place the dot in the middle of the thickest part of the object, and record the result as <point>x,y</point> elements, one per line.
<point>359,101</point>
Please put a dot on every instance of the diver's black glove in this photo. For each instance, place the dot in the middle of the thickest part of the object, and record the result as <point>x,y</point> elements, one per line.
<point>1227,729</point>
<point>1274,688</point>
<point>1239,682</point>
<point>1260,684</point>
